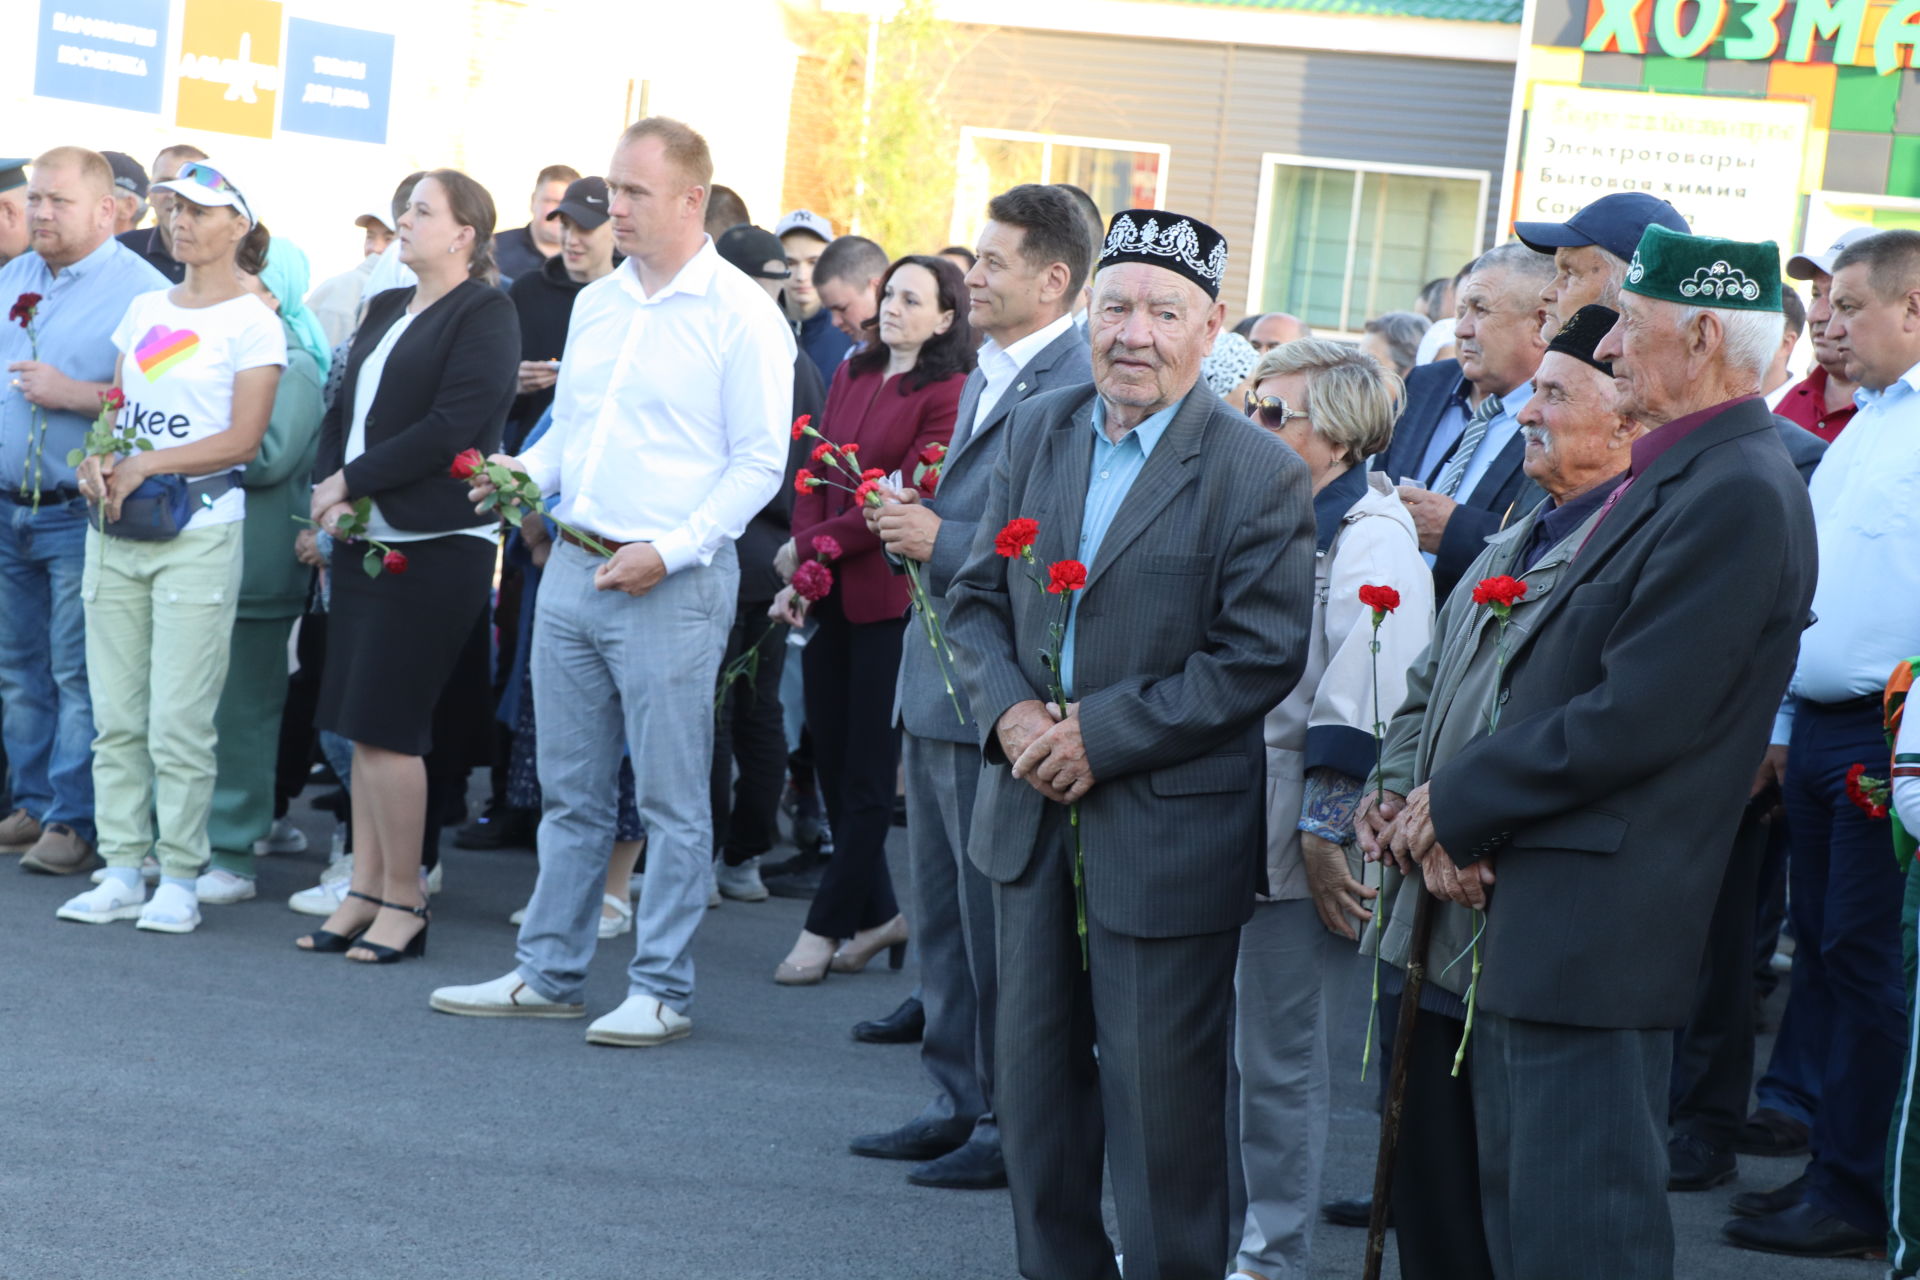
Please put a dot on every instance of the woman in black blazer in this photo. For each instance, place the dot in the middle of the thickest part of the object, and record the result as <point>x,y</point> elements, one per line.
<point>430,373</point>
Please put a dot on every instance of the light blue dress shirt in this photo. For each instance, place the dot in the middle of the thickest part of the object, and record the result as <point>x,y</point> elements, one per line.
<point>1447,431</point>
<point>79,310</point>
<point>1109,480</point>
<point>1500,433</point>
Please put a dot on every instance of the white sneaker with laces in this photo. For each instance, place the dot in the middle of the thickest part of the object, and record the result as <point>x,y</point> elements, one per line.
<point>325,898</point>
<point>612,926</point>
<point>641,1021</point>
<point>504,997</point>
<point>221,887</point>
<point>111,901</point>
<point>741,883</point>
<point>171,909</point>
<point>284,837</point>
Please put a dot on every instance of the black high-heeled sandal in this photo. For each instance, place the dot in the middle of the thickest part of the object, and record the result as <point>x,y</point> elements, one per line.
<point>325,940</point>
<point>416,945</point>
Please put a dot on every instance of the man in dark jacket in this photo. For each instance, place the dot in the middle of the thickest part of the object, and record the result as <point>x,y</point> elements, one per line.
<point>520,252</point>
<point>544,299</point>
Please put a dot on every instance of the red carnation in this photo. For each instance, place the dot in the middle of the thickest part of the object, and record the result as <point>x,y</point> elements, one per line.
<point>933,453</point>
<point>929,482</point>
<point>1066,575</point>
<point>826,546</point>
<point>467,464</point>
<point>1499,594</point>
<point>821,451</point>
<point>1382,600</point>
<point>873,473</point>
<point>113,398</point>
<point>802,424</point>
<point>849,449</point>
<point>23,309</point>
<point>394,562</point>
<point>812,580</point>
<point>1016,537</point>
<point>868,492</point>
<point>804,481</point>
<point>1869,795</point>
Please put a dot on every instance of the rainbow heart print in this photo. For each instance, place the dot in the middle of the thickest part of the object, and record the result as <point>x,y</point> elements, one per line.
<point>163,348</point>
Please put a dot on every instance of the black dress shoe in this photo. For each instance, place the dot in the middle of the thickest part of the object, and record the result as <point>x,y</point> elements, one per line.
<point>1771,1133</point>
<point>915,1140</point>
<point>904,1025</point>
<point>1804,1232</point>
<point>1695,1164</point>
<point>498,829</point>
<point>976,1166</point>
<point>802,885</point>
<point>1757,1204</point>
<point>1357,1212</point>
<point>800,863</point>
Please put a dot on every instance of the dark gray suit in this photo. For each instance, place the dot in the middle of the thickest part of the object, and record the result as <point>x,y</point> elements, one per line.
<point>953,901</point>
<point>1193,625</point>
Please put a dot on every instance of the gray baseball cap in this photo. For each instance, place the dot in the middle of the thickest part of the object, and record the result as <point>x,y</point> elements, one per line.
<point>805,220</point>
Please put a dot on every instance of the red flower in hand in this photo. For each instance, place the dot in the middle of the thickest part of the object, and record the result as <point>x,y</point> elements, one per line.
<point>826,546</point>
<point>1016,537</point>
<point>1066,575</point>
<point>932,454</point>
<point>1382,600</point>
<point>812,580</point>
<point>1499,594</point>
<point>1869,795</point>
<point>801,425</point>
<point>394,562</point>
<point>873,473</point>
<point>804,481</point>
<point>821,452</point>
<point>849,449</point>
<point>867,494</point>
<point>113,398</point>
<point>23,309</point>
<point>467,464</point>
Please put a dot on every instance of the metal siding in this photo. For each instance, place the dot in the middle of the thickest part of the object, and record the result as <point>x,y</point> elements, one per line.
<point>1220,107</point>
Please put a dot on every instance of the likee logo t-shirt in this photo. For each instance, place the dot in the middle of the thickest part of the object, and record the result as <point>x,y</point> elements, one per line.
<point>177,369</point>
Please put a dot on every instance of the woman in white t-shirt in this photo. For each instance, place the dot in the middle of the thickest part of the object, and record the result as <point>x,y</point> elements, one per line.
<point>199,365</point>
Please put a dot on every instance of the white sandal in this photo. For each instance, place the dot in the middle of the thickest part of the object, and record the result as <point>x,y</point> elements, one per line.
<point>612,926</point>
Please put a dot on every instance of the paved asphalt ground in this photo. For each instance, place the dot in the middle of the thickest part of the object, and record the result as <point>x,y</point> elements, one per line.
<point>220,1105</point>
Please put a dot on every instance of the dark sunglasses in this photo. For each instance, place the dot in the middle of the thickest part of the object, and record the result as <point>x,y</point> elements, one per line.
<point>1272,412</point>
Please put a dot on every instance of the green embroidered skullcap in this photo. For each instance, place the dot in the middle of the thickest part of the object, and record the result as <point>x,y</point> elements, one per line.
<point>1704,271</point>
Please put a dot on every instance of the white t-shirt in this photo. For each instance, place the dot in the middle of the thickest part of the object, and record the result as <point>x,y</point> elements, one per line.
<point>177,371</point>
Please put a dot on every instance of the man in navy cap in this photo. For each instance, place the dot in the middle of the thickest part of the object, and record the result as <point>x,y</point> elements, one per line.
<point>129,191</point>
<point>13,208</point>
<point>1590,251</point>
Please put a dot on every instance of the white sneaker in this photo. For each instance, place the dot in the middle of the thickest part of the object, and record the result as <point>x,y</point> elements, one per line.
<point>325,898</point>
<point>221,887</point>
<point>639,1022</point>
<point>284,837</point>
<point>337,843</point>
<point>504,997</point>
<point>741,883</point>
<point>612,926</point>
<point>432,882</point>
<point>111,901</point>
<point>149,871</point>
<point>170,910</point>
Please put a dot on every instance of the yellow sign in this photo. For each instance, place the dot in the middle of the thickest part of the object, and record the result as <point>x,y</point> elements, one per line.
<point>230,66</point>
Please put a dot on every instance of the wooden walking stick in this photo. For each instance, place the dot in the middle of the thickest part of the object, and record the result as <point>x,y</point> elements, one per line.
<point>1397,1081</point>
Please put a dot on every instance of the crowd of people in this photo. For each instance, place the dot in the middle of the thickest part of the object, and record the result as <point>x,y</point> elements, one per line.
<point>1534,646</point>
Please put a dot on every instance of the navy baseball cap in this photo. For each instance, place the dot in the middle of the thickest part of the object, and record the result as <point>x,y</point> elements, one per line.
<point>1615,223</point>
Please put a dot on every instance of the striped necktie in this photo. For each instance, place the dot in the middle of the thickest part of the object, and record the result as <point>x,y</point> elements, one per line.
<point>1456,469</point>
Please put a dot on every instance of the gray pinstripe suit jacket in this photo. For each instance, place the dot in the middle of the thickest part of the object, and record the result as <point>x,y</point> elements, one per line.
<point>1192,626</point>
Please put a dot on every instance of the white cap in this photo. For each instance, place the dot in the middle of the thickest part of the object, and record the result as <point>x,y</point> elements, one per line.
<point>382,216</point>
<point>804,220</point>
<point>210,186</point>
<point>1804,266</point>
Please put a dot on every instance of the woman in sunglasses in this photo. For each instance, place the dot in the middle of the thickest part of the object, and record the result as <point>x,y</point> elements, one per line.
<point>199,366</point>
<point>1334,406</point>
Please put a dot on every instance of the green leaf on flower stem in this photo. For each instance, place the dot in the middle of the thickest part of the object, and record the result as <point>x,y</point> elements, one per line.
<point>371,563</point>
<point>514,515</point>
<point>75,457</point>
<point>491,501</point>
<point>143,444</point>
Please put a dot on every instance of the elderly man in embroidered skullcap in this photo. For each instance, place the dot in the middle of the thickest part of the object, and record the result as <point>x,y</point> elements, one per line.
<point>1633,707</point>
<point>1195,530</point>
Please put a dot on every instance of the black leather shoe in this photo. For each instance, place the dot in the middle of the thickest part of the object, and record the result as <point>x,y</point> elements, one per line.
<point>915,1140</point>
<point>802,885</point>
<point>1804,1232</point>
<point>904,1025</point>
<point>1357,1212</point>
<point>1771,1133</point>
<point>800,863</point>
<point>1695,1164</point>
<point>976,1166</point>
<point>1758,1204</point>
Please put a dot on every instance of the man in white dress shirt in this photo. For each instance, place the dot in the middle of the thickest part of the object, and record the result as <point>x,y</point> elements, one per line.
<point>670,430</point>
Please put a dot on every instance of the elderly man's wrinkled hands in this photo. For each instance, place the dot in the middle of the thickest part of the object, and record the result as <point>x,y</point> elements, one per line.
<point>1055,762</point>
<point>1430,512</point>
<point>1465,885</point>
<point>1373,819</point>
<point>1413,836</point>
<point>1336,894</point>
<point>907,527</point>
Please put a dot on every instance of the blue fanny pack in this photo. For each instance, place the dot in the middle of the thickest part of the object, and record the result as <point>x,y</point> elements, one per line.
<point>160,508</point>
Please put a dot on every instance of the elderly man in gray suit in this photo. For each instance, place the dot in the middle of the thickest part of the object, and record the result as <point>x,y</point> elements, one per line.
<point>1196,532</point>
<point>1033,260</point>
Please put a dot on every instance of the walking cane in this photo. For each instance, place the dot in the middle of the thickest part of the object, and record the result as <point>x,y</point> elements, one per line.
<point>1397,1083</point>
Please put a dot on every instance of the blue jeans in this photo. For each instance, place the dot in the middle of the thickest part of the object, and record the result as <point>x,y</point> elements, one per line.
<point>609,668</point>
<point>43,662</point>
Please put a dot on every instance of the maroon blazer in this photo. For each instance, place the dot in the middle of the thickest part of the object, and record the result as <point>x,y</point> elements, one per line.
<point>891,429</point>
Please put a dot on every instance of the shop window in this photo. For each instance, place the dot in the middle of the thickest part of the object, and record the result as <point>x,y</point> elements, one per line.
<point>1118,175</point>
<point>1337,243</point>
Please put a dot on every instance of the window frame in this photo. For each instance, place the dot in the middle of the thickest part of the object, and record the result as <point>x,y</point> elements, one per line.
<point>962,227</point>
<point>1263,216</point>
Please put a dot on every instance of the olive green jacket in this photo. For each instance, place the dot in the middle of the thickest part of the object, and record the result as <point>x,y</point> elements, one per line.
<point>279,483</point>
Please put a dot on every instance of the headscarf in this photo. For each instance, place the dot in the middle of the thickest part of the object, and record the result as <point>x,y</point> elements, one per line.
<point>286,276</point>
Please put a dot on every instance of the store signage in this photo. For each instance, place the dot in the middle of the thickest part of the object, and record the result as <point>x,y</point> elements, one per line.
<point>109,52</point>
<point>339,81</point>
<point>229,66</point>
<point>1863,33</point>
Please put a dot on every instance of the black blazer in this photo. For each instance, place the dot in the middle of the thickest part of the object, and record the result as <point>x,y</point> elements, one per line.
<point>448,386</point>
<point>1430,389</point>
<point>771,526</point>
<point>1638,703</point>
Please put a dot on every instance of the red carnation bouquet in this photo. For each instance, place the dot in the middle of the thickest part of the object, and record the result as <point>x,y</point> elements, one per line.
<point>24,312</point>
<point>514,495</point>
<point>1872,796</point>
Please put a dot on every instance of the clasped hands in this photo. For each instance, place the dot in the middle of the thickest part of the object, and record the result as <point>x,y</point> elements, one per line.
<point>1401,828</point>
<point>108,478</point>
<point>1046,749</point>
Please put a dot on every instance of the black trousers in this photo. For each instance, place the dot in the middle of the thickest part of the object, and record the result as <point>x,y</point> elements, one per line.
<point>296,721</point>
<point>1436,1176</point>
<point>750,731</point>
<point>850,669</point>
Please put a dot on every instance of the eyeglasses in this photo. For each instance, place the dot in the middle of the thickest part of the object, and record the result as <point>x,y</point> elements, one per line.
<point>1272,412</point>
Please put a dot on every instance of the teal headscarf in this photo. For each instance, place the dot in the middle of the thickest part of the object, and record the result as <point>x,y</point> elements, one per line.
<point>286,277</point>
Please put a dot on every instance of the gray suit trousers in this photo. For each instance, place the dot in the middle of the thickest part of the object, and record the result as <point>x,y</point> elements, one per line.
<point>1154,1105</point>
<point>953,925</point>
<point>1572,1125</point>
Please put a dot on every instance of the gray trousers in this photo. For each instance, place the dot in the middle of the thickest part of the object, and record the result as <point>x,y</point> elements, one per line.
<point>612,670</point>
<point>953,924</point>
<point>1280,1048</point>
<point>1572,1126</point>
<point>1154,1105</point>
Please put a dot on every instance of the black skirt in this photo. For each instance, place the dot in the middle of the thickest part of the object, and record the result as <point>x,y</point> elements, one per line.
<point>394,642</point>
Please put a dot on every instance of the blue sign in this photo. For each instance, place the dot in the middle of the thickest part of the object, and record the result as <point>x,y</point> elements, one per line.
<point>339,81</point>
<point>109,52</point>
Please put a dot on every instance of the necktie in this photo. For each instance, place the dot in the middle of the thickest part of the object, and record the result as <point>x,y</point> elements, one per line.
<point>1456,469</point>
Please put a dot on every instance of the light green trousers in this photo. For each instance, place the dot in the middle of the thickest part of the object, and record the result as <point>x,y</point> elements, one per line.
<point>249,747</point>
<point>159,615</point>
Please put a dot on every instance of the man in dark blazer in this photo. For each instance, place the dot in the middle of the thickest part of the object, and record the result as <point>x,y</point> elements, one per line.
<point>1195,528</point>
<point>1636,708</point>
<point>1032,263</point>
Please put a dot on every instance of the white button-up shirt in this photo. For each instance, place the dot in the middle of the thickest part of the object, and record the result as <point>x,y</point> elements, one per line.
<point>1001,365</point>
<point>1866,512</point>
<point>672,412</point>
